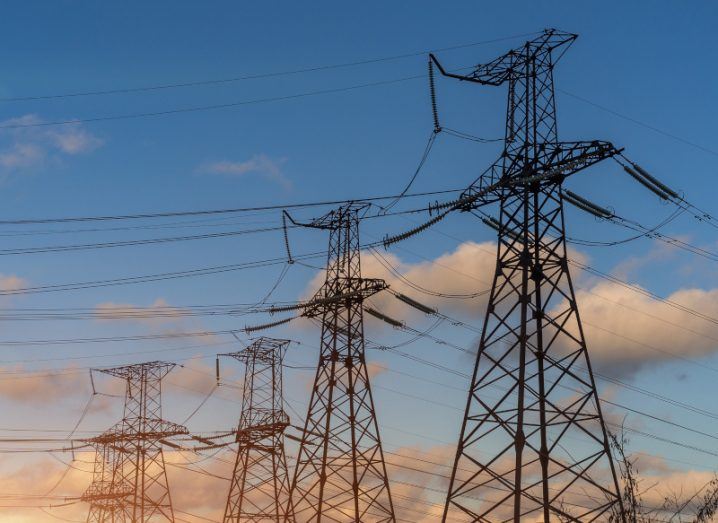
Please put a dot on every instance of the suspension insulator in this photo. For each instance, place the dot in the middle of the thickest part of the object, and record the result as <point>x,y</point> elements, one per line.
<point>254,328</point>
<point>432,92</point>
<point>648,185</point>
<point>491,223</point>
<point>206,441</point>
<point>170,444</point>
<point>494,224</point>
<point>383,317</point>
<point>416,230</point>
<point>586,205</point>
<point>655,181</point>
<point>290,260</point>
<point>413,303</point>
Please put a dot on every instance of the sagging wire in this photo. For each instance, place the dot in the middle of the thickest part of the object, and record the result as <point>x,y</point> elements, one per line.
<point>422,161</point>
<point>464,202</point>
<point>393,270</point>
<point>304,306</point>
<point>432,138</point>
<point>470,137</point>
<point>430,143</point>
<point>664,192</point>
<point>643,231</point>
<point>59,518</point>
<point>609,214</point>
<point>201,404</point>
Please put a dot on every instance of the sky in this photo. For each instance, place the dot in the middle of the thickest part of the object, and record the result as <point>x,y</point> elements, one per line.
<point>85,132</point>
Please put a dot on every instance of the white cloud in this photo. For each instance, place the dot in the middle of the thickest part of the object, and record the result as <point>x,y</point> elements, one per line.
<point>74,139</point>
<point>25,143</point>
<point>19,155</point>
<point>260,164</point>
<point>158,313</point>
<point>463,272</point>
<point>11,282</point>
<point>625,330</point>
<point>39,388</point>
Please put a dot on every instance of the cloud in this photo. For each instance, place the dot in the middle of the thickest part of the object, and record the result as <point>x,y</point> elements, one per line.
<point>11,282</point>
<point>157,313</point>
<point>625,330</point>
<point>39,388</point>
<point>28,147</point>
<point>19,155</point>
<point>259,164</point>
<point>197,378</point>
<point>463,272</point>
<point>659,252</point>
<point>74,139</point>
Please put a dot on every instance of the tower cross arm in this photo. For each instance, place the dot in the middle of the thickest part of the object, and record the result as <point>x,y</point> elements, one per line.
<point>555,162</point>
<point>356,289</point>
<point>552,164</point>
<point>506,66</point>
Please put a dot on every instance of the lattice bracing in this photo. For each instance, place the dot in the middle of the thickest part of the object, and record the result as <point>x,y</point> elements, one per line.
<point>341,474</point>
<point>259,488</point>
<point>134,448</point>
<point>533,443</point>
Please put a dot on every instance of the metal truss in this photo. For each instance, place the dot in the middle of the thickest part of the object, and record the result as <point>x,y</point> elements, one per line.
<point>259,489</point>
<point>106,494</point>
<point>533,443</point>
<point>341,474</point>
<point>133,478</point>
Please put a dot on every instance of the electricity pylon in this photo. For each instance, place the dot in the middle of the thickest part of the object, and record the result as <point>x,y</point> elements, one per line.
<point>259,489</point>
<point>134,446</point>
<point>106,494</point>
<point>533,442</point>
<point>340,474</point>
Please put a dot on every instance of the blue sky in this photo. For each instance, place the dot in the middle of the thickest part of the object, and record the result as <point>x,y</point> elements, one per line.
<point>650,62</point>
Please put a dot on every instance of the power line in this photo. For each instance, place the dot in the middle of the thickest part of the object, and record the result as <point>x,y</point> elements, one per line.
<point>205,212</point>
<point>240,78</point>
<point>638,122</point>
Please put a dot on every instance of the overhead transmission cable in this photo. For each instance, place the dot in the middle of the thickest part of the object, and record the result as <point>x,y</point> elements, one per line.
<point>600,274</point>
<point>209,212</point>
<point>256,76</point>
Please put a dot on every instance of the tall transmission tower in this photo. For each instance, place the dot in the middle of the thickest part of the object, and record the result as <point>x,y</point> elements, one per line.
<point>133,474</point>
<point>259,489</point>
<point>341,474</point>
<point>533,443</point>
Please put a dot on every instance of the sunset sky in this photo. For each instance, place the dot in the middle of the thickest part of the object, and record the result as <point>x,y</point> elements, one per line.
<point>641,75</point>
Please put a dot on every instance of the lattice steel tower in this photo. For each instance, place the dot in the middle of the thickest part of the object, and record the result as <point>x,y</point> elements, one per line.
<point>533,442</point>
<point>340,474</point>
<point>107,495</point>
<point>259,489</point>
<point>134,446</point>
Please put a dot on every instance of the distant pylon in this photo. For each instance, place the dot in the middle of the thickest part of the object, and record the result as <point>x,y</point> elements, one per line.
<point>340,474</point>
<point>533,444</point>
<point>259,489</point>
<point>106,495</point>
<point>134,447</point>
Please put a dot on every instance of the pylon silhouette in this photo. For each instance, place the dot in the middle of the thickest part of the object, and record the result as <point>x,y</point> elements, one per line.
<point>106,495</point>
<point>133,473</point>
<point>259,489</point>
<point>340,474</point>
<point>533,441</point>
